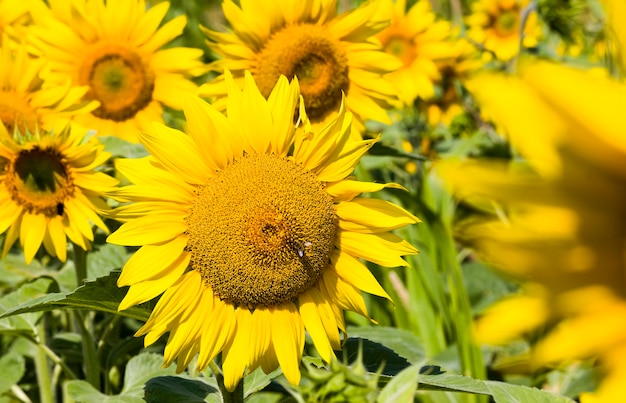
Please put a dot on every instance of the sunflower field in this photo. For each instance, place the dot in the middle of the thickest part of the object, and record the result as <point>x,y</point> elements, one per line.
<point>313,201</point>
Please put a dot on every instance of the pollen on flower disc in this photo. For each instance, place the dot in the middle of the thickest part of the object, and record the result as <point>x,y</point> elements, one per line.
<point>261,231</point>
<point>316,59</point>
<point>119,79</point>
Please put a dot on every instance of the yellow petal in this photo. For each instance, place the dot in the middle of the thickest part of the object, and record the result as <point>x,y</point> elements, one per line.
<point>352,271</point>
<point>151,229</point>
<point>313,324</point>
<point>149,289</point>
<point>372,215</point>
<point>151,261</point>
<point>347,190</point>
<point>235,356</point>
<point>288,339</point>
<point>384,249</point>
<point>32,231</point>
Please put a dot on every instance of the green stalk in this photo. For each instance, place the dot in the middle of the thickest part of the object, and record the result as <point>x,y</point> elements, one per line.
<point>41,366</point>
<point>236,396</point>
<point>91,364</point>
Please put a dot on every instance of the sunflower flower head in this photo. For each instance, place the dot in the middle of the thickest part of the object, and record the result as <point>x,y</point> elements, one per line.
<point>14,16</point>
<point>330,54</point>
<point>447,103</point>
<point>252,232</point>
<point>50,190</point>
<point>561,212</point>
<point>496,24</point>
<point>29,99</point>
<point>114,48</point>
<point>418,39</point>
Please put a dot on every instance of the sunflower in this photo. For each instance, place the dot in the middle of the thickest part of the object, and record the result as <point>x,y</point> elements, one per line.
<point>418,40</point>
<point>29,100</point>
<point>330,54</point>
<point>496,25</point>
<point>50,190</point>
<point>15,14</point>
<point>113,48</point>
<point>447,102</point>
<point>564,211</point>
<point>252,233</point>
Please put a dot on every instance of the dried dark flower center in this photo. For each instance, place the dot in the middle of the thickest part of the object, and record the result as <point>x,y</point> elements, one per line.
<point>39,181</point>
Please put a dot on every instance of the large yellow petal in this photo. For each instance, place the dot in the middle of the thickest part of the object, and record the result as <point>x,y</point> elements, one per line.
<point>353,271</point>
<point>384,249</point>
<point>288,339</point>
<point>32,232</point>
<point>149,289</point>
<point>314,324</point>
<point>151,261</point>
<point>282,102</point>
<point>215,135</point>
<point>9,211</point>
<point>260,343</point>
<point>346,190</point>
<point>236,354</point>
<point>58,238</point>
<point>219,330</point>
<point>344,160</point>
<point>174,302</point>
<point>151,229</point>
<point>372,215</point>
<point>176,151</point>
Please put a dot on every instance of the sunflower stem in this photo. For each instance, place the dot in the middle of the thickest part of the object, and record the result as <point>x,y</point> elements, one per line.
<point>236,396</point>
<point>41,366</point>
<point>80,264</point>
<point>90,357</point>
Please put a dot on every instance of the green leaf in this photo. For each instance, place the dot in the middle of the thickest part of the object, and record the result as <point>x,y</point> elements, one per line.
<point>258,380</point>
<point>103,294</point>
<point>374,356</point>
<point>121,148</point>
<point>12,368</point>
<point>82,391</point>
<point>165,389</point>
<point>402,387</point>
<point>403,342</point>
<point>19,297</point>
<point>508,393</point>
<point>105,259</point>
<point>140,369</point>
<point>484,286</point>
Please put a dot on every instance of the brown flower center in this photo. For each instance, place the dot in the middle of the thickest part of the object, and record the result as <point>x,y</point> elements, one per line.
<point>119,79</point>
<point>39,181</point>
<point>262,231</point>
<point>318,61</point>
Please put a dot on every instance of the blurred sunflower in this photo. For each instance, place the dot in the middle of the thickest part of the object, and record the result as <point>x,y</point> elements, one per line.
<point>50,190</point>
<point>14,13</point>
<point>329,54</point>
<point>113,48</point>
<point>418,40</point>
<point>565,212</point>
<point>496,24</point>
<point>252,233</point>
<point>29,100</point>
<point>447,102</point>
